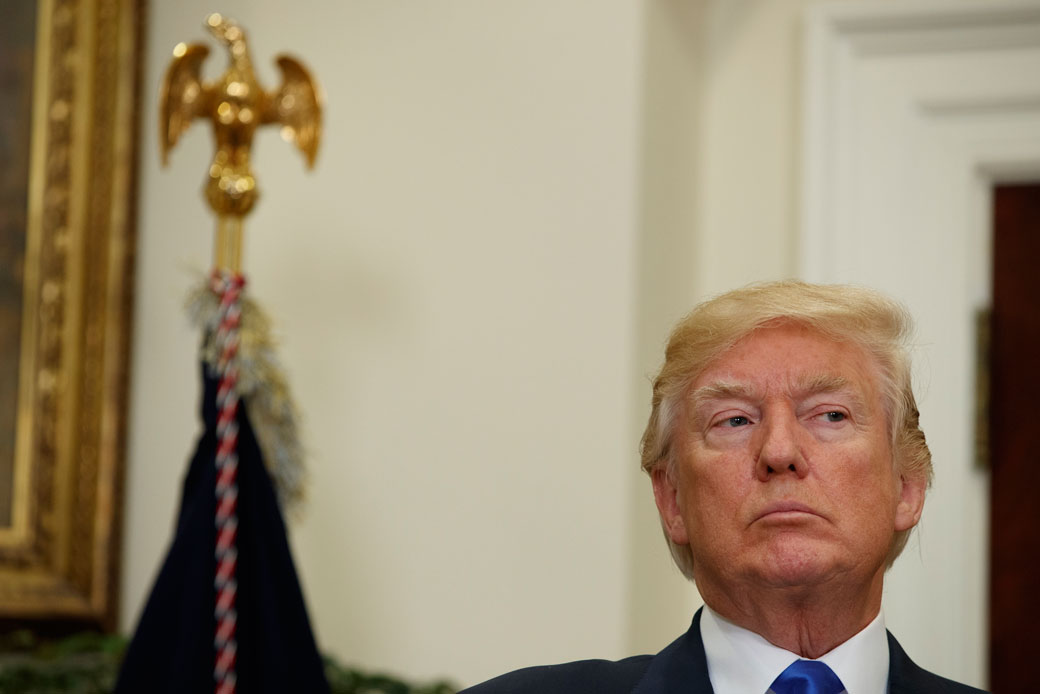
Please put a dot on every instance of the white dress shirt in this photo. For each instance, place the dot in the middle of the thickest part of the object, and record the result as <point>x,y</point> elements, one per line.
<point>742,662</point>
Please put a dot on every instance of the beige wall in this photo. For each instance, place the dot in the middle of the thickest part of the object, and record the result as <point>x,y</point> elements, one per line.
<point>747,200</point>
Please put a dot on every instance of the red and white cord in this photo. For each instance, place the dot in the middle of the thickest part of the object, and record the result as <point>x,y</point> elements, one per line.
<point>229,288</point>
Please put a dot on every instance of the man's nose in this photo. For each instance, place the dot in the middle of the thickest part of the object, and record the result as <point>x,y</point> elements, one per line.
<point>779,450</point>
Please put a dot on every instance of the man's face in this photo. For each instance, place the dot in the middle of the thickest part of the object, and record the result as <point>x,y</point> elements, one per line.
<point>784,473</point>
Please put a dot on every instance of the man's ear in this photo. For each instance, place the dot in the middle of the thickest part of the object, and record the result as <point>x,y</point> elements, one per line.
<point>665,495</point>
<point>911,501</point>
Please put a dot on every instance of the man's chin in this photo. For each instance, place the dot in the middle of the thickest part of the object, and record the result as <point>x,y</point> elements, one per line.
<point>801,563</point>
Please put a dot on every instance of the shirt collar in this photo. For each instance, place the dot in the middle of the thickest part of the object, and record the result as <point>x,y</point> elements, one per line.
<point>741,661</point>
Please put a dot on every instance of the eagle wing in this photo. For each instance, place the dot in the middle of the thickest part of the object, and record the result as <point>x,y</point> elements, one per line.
<point>297,107</point>
<point>183,97</point>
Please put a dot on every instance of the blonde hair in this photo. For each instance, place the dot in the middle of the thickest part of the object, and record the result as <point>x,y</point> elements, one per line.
<point>857,315</point>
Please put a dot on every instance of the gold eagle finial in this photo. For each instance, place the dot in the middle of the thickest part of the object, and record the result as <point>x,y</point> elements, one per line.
<point>236,105</point>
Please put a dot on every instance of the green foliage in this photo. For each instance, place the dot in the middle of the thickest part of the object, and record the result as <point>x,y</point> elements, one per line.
<point>349,681</point>
<point>88,664</point>
<point>81,664</point>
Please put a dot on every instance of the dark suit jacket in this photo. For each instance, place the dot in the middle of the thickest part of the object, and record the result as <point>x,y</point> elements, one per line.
<point>681,668</point>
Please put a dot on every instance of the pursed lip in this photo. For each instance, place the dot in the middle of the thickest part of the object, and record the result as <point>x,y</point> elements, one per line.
<point>785,507</point>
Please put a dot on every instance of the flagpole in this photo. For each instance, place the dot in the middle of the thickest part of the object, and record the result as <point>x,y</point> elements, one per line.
<point>227,252</point>
<point>236,105</point>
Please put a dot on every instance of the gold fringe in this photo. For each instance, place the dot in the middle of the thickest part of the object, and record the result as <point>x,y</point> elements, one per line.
<point>262,389</point>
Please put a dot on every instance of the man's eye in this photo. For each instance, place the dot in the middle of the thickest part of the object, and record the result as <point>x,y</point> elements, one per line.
<point>835,416</point>
<point>737,421</point>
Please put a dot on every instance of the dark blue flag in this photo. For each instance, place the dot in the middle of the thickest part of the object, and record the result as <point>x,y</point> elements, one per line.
<point>173,648</point>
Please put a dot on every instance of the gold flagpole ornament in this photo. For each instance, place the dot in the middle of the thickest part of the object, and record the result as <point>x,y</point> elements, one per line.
<point>236,104</point>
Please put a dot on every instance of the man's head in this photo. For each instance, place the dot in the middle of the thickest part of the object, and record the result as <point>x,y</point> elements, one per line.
<point>787,396</point>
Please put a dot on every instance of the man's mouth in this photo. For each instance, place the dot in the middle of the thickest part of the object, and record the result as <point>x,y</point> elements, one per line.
<point>790,510</point>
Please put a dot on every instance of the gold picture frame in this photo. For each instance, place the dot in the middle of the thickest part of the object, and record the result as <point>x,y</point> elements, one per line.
<point>59,537</point>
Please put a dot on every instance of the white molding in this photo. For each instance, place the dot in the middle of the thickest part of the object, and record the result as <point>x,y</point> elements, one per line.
<point>1009,169</point>
<point>840,33</point>
<point>975,105</point>
<point>854,16</point>
<point>932,25</point>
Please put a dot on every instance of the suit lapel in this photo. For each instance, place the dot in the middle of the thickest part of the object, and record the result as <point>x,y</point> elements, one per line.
<point>681,668</point>
<point>904,675</point>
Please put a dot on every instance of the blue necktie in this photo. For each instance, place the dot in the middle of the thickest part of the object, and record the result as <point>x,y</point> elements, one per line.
<point>807,677</point>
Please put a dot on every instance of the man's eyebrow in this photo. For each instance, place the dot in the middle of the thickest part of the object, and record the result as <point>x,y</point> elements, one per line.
<point>720,390</point>
<point>812,384</point>
<point>822,383</point>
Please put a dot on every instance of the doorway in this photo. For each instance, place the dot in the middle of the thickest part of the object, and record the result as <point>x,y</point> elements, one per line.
<point>1014,423</point>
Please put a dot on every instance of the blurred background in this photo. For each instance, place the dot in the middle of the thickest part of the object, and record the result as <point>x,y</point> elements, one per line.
<point>512,204</point>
